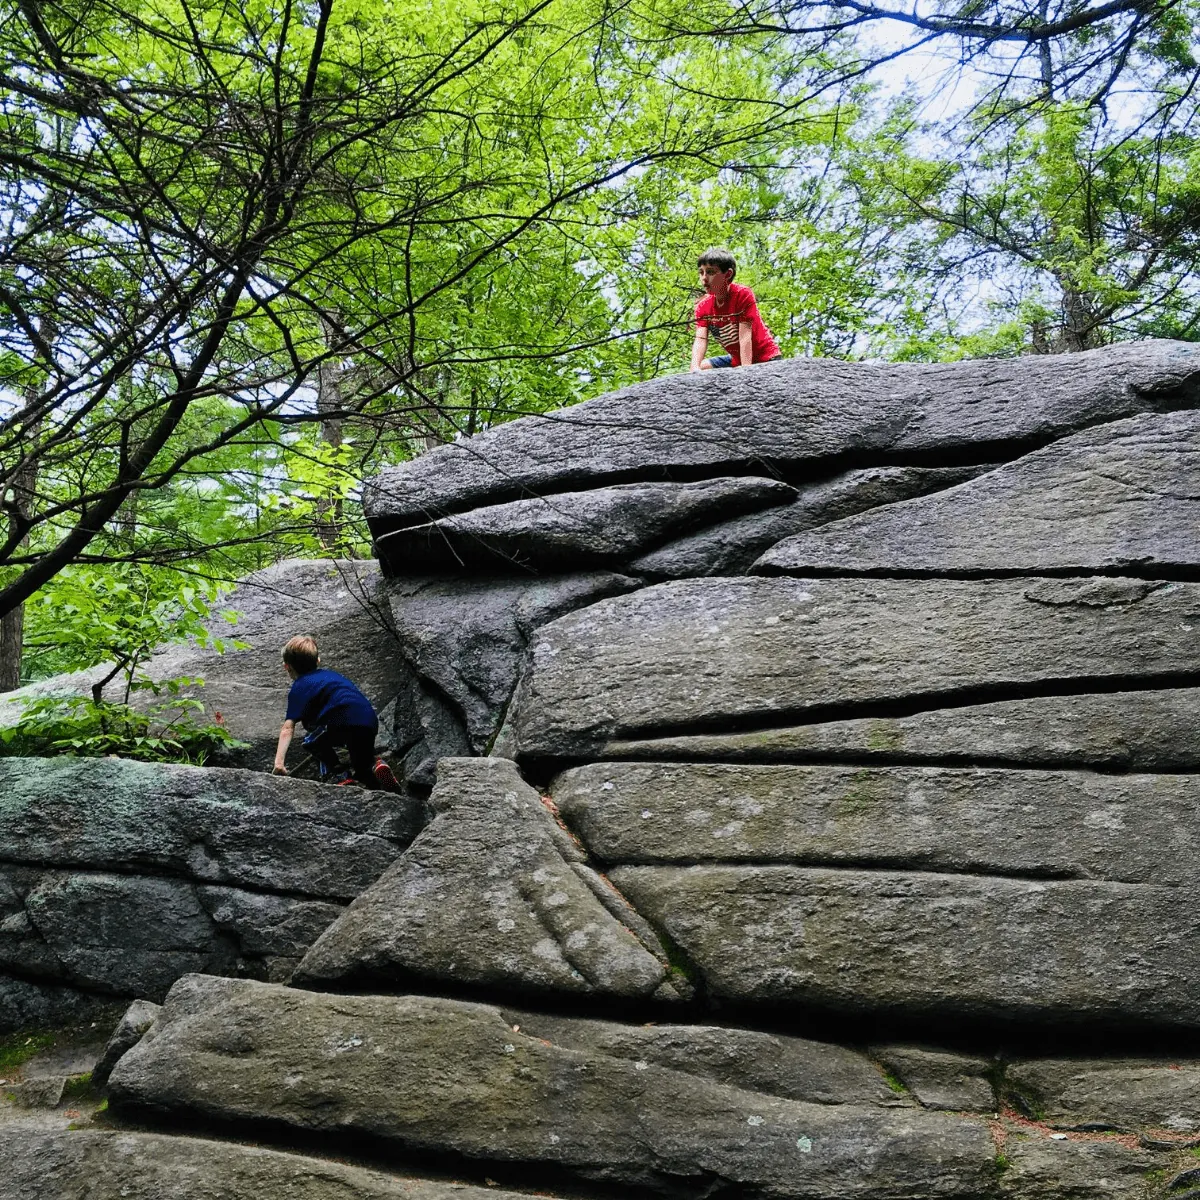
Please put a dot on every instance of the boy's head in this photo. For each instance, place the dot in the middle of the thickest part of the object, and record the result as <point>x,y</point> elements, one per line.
<point>717,269</point>
<point>300,655</point>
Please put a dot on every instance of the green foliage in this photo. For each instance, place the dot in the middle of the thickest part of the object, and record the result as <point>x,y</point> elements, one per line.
<point>18,1048</point>
<point>81,727</point>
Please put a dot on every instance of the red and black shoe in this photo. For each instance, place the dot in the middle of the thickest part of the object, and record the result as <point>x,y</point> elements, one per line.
<point>384,779</point>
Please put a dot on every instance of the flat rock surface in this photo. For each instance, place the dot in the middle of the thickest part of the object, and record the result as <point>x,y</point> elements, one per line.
<point>79,1165</point>
<point>1125,496</point>
<point>730,547</point>
<point>241,828</point>
<point>1066,824</point>
<point>1153,730</point>
<point>1037,1168</point>
<point>603,526</point>
<point>941,1078</point>
<point>705,652</point>
<point>931,946</point>
<point>805,410</point>
<point>425,1074</point>
<point>493,893</point>
<point>1123,1093</point>
<point>792,1067</point>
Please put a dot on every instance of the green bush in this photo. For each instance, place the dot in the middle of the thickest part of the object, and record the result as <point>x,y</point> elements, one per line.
<point>87,728</point>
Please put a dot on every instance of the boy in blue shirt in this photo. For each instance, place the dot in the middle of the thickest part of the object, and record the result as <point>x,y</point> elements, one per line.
<point>334,712</point>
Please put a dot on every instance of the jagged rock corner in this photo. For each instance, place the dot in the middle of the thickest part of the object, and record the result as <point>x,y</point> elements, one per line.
<point>801,799</point>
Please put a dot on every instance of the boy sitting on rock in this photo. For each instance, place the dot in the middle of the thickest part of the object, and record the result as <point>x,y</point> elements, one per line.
<point>731,312</point>
<point>334,712</point>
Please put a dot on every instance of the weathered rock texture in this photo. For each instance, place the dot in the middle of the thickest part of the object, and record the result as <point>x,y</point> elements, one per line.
<point>117,877</point>
<point>493,894</point>
<point>758,650</point>
<point>80,1165</point>
<point>1151,730</point>
<point>412,1072</point>
<point>839,861</point>
<point>789,412</point>
<point>1122,497</point>
<point>570,529</point>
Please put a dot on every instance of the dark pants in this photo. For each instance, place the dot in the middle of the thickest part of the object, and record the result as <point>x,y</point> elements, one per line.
<point>359,741</point>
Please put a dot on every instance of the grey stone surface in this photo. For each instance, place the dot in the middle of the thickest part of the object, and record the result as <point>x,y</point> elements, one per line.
<point>425,1074</point>
<point>1065,824</point>
<point>1037,1168</point>
<point>731,547</point>
<point>492,894</point>
<point>134,935</point>
<point>942,1079</point>
<point>1153,730</point>
<point>46,1091</point>
<point>26,1004</point>
<point>468,637</point>
<point>338,602</point>
<point>136,1019</point>
<point>929,946</point>
<point>1125,496</point>
<point>703,652</point>
<point>1124,1093</point>
<point>426,727</point>
<point>804,411</point>
<point>606,526</point>
<point>97,1165</point>
<point>233,827</point>
<point>792,1067</point>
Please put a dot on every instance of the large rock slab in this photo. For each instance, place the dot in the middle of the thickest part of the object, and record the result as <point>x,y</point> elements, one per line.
<point>339,602</point>
<point>1039,1168</point>
<point>931,947</point>
<point>492,894</point>
<point>134,935</point>
<point>792,1067</point>
<point>1123,497</point>
<point>1065,824</point>
<point>79,1165</point>
<point>1119,1093</point>
<point>804,410</point>
<point>466,639</point>
<point>421,1074</point>
<point>241,828</point>
<point>694,656</point>
<point>732,546</point>
<point>1157,729</point>
<point>603,527</point>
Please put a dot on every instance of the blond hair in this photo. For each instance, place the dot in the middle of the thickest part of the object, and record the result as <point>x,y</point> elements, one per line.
<point>301,654</point>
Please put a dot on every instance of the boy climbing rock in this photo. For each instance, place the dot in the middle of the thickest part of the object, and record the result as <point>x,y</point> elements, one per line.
<point>334,712</point>
<point>729,311</point>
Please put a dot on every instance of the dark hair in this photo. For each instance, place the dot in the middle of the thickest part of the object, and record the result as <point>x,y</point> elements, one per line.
<point>719,257</point>
<point>301,654</point>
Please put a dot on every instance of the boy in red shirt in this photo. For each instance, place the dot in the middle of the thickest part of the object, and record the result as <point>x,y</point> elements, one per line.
<point>729,311</point>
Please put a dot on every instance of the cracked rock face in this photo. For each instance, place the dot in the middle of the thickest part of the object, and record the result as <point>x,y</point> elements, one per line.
<point>117,877</point>
<point>493,894</point>
<point>872,877</point>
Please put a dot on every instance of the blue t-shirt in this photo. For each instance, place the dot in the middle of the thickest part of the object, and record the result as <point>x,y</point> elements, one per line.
<point>323,697</point>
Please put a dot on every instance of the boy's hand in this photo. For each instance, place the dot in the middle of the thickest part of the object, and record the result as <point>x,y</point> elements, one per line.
<point>280,771</point>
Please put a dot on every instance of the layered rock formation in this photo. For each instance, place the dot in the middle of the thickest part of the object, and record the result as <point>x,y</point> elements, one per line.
<point>816,816</point>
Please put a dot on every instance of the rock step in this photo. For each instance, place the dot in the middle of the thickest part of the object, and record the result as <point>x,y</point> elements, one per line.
<point>807,412</point>
<point>694,656</point>
<point>929,947</point>
<point>1067,824</point>
<point>1157,729</point>
<point>417,1074</point>
<point>1122,497</point>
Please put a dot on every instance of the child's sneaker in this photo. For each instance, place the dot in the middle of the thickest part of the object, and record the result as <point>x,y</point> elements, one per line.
<point>384,777</point>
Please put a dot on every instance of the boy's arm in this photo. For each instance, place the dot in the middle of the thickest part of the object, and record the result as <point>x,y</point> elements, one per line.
<point>699,346</point>
<point>285,740</point>
<point>746,343</point>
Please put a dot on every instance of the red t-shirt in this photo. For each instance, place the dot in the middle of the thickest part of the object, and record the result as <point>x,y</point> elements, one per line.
<point>739,308</point>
